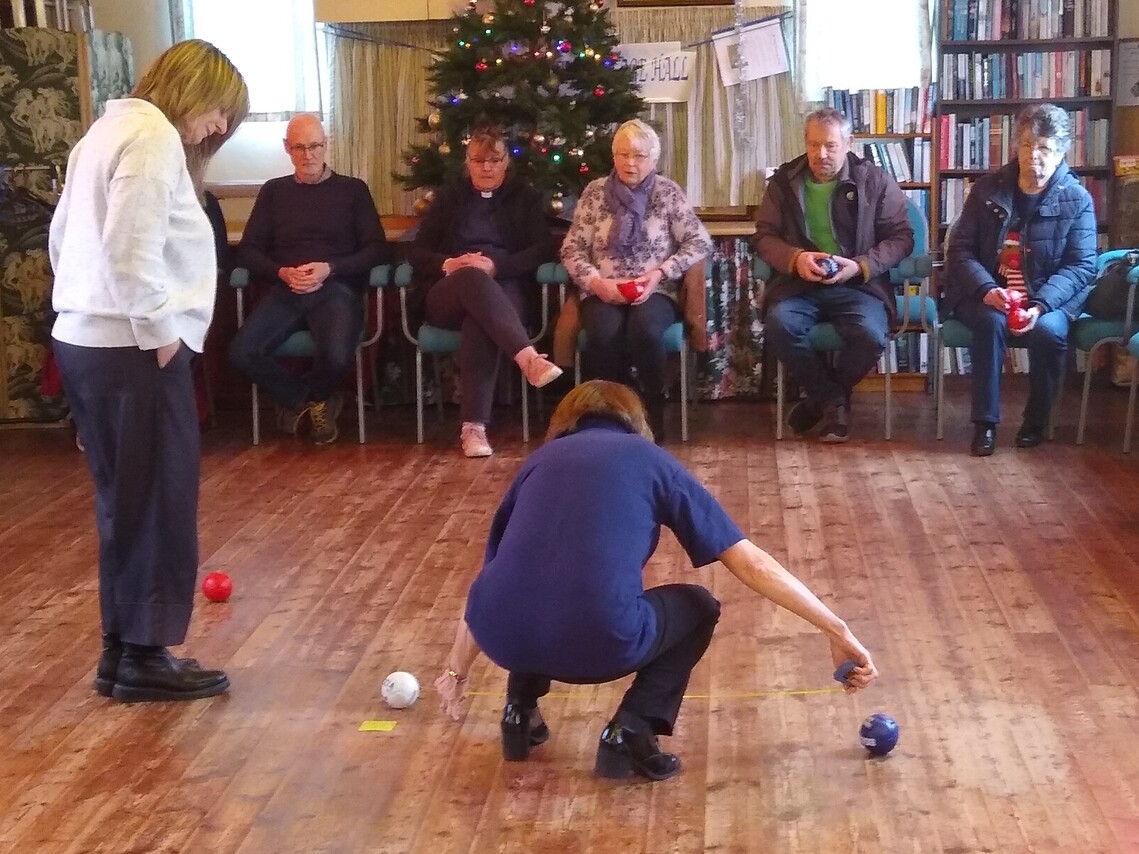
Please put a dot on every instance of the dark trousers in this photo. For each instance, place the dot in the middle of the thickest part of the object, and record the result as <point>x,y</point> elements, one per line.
<point>624,336</point>
<point>686,618</point>
<point>1047,345</point>
<point>488,314</point>
<point>139,427</point>
<point>859,319</point>
<point>332,314</point>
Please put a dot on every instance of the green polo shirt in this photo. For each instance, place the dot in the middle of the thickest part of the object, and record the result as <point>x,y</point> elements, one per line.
<point>817,197</point>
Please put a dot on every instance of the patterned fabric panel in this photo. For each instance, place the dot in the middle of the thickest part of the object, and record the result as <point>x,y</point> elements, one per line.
<point>39,95</point>
<point>112,68</point>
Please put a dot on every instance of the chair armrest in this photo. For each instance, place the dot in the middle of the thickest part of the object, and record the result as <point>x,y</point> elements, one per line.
<point>239,277</point>
<point>760,269</point>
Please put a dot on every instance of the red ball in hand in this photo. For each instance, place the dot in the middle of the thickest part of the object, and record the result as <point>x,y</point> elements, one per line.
<point>1019,320</point>
<point>217,587</point>
<point>1016,299</point>
<point>631,291</point>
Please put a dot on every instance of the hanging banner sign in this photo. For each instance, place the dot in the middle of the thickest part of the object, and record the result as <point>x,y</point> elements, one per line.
<point>663,72</point>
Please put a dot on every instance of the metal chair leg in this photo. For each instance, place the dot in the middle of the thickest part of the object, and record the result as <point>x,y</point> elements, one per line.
<point>525,412</point>
<point>778,399</point>
<point>886,387</point>
<point>360,393</point>
<point>256,417</point>
<point>683,389</point>
<point>418,395</point>
<point>940,351</point>
<point>1084,399</point>
<point>1130,409</point>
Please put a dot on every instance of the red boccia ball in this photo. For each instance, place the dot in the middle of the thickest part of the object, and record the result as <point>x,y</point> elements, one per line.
<point>1019,319</point>
<point>217,587</point>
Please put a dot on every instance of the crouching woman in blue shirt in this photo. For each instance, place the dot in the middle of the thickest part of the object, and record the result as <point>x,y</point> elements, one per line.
<point>561,593</point>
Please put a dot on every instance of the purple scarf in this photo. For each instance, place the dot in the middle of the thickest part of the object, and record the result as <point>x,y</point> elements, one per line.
<point>628,205</point>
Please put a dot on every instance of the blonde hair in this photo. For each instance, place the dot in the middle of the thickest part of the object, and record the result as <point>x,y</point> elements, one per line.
<point>641,132</point>
<point>602,399</point>
<point>188,80</point>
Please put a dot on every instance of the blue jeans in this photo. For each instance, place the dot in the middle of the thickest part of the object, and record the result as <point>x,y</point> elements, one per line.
<point>858,317</point>
<point>1047,345</point>
<point>333,315</point>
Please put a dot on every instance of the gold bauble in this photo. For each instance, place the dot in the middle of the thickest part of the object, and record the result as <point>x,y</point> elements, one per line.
<point>434,119</point>
<point>557,205</point>
<point>420,206</point>
<point>444,149</point>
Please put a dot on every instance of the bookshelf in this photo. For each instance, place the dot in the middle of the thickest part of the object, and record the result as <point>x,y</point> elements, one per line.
<point>997,56</point>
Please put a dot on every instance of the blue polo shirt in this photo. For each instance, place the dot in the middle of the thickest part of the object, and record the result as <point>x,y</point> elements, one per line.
<point>561,591</point>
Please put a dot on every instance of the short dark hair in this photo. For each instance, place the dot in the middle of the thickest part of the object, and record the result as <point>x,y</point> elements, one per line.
<point>1045,121</point>
<point>487,134</point>
<point>830,116</point>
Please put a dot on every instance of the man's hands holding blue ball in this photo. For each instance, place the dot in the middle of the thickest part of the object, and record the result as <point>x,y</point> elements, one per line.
<point>819,267</point>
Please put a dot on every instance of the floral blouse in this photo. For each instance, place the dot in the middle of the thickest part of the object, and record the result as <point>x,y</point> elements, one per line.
<point>675,238</point>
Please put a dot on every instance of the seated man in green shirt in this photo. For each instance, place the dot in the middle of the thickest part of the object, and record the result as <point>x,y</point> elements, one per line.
<point>831,225</point>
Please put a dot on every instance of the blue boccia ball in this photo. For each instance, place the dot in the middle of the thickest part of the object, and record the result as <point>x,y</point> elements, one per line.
<point>829,266</point>
<point>878,734</point>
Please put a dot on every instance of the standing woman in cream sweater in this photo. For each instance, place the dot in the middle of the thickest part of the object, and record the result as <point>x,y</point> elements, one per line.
<point>135,278</point>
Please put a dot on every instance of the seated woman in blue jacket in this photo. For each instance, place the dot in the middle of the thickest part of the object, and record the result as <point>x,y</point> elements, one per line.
<point>1026,239</point>
<point>561,595</point>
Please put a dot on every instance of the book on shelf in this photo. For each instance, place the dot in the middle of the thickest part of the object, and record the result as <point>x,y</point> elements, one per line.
<point>1001,20</point>
<point>1039,74</point>
<point>885,111</point>
<point>987,142</point>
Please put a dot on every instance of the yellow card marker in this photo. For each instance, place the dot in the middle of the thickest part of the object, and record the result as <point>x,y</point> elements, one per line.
<point>377,726</point>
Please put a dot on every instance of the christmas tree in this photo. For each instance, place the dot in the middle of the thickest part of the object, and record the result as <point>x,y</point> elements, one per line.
<point>548,73</point>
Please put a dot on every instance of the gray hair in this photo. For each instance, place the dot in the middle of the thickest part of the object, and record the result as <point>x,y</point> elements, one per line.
<point>1045,121</point>
<point>642,132</point>
<point>830,116</point>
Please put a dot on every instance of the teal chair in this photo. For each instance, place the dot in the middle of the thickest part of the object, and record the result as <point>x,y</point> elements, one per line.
<point>675,341</point>
<point>435,341</point>
<point>301,344</point>
<point>1133,349</point>
<point>916,311</point>
<point>1090,334</point>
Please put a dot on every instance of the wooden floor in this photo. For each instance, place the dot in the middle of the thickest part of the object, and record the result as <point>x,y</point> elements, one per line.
<point>999,596</point>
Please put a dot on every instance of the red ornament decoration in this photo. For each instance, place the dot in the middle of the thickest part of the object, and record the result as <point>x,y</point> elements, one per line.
<point>583,168</point>
<point>481,65</point>
<point>599,91</point>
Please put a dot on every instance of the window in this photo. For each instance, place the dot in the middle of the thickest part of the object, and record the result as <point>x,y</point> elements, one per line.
<point>861,45</point>
<point>273,45</point>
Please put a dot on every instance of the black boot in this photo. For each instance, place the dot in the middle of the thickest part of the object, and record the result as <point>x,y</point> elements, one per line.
<point>151,673</point>
<point>108,665</point>
<point>521,730</point>
<point>624,749</point>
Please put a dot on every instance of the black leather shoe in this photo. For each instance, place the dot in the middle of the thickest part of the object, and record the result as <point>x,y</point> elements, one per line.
<point>804,417</point>
<point>149,674</point>
<point>1029,436</point>
<point>520,732</point>
<point>984,440</point>
<point>108,665</point>
<point>622,751</point>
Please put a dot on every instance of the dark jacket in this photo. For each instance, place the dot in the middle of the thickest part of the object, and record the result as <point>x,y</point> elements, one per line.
<point>521,221</point>
<point>868,217</point>
<point>1058,242</point>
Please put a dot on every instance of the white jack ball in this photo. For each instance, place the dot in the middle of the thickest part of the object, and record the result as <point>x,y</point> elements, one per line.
<point>400,689</point>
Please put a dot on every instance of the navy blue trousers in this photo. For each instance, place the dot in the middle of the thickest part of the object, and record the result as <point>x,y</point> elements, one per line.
<point>332,314</point>
<point>624,336</point>
<point>859,319</point>
<point>686,618</point>
<point>139,426</point>
<point>1047,345</point>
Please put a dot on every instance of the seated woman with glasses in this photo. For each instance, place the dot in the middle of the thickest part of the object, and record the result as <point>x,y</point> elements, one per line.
<point>1019,264</point>
<point>632,226</point>
<point>474,257</point>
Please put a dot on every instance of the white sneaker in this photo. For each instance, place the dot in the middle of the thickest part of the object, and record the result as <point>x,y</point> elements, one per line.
<point>473,438</point>
<point>540,371</point>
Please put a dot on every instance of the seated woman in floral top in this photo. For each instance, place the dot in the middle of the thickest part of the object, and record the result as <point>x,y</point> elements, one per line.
<point>633,226</point>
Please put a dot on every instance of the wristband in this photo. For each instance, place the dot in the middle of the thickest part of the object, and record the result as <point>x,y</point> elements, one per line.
<point>456,676</point>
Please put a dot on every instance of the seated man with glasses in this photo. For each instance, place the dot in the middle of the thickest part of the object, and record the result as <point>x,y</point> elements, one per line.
<point>474,256</point>
<point>1019,264</point>
<point>315,235</point>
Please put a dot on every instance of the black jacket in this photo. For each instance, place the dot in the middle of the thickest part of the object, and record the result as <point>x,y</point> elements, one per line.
<point>521,221</point>
<point>1058,242</point>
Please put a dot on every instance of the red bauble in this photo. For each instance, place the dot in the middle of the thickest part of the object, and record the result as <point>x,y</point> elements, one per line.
<point>599,91</point>
<point>481,65</point>
<point>217,587</point>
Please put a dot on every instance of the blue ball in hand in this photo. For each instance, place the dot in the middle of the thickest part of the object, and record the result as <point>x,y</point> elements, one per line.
<point>879,734</point>
<point>829,266</point>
